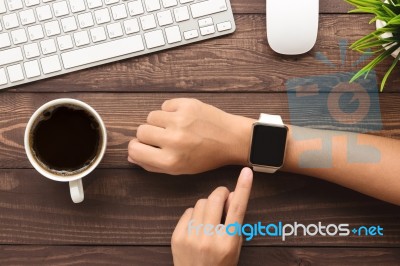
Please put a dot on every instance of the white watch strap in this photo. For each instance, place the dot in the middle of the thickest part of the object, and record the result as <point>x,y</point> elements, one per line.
<point>271,120</point>
<point>265,169</point>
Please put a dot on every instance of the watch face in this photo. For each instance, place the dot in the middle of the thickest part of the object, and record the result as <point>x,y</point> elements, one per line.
<point>268,145</point>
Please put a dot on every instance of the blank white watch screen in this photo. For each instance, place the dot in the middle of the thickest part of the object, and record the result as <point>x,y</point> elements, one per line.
<point>268,145</point>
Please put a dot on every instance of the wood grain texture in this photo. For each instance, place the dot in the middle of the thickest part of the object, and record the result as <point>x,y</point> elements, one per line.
<point>69,255</point>
<point>124,112</point>
<point>130,255</point>
<point>242,62</point>
<point>128,215</point>
<point>135,207</point>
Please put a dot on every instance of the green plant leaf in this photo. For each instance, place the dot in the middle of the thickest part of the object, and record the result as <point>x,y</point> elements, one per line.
<point>396,60</point>
<point>374,43</point>
<point>365,70</point>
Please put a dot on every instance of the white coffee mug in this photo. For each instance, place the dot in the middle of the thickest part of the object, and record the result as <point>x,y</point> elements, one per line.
<point>75,180</point>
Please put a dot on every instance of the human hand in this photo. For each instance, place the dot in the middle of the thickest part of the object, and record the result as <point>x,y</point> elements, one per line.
<point>193,246</point>
<point>188,136</point>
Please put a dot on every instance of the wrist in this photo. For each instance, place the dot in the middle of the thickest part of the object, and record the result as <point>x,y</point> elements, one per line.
<point>239,146</point>
<point>292,149</point>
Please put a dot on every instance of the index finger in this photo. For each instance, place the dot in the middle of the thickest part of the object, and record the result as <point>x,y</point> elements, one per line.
<point>238,205</point>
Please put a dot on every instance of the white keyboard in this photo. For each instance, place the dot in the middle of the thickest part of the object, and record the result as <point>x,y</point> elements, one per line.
<point>45,38</point>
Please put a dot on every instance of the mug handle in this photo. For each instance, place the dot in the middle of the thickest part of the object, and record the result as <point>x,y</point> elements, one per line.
<point>76,190</point>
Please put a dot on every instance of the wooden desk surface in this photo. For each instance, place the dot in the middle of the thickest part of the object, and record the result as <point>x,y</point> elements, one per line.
<point>128,215</point>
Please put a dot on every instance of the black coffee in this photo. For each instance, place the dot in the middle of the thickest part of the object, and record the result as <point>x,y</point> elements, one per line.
<point>66,139</point>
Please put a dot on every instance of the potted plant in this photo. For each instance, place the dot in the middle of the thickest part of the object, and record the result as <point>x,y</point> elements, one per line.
<point>384,42</point>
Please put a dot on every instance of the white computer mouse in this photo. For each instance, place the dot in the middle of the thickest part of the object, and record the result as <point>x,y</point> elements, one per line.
<point>292,25</point>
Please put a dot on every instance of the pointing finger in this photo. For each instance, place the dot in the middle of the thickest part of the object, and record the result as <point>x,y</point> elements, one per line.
<point>238,205</point>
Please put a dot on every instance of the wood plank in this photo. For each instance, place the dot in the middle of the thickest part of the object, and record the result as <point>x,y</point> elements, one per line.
<point>135,207</point>
<point>319,256</point>
<point>239,62</point>
<point>124,112</point>
<point>70,255</point>
<point>130,255</point>
<point>258,6</point>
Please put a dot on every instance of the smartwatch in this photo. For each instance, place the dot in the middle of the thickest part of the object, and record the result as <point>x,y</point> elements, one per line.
<point>268,144</point>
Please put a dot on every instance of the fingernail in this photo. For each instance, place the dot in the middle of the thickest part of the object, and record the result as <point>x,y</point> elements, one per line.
<point>247,172</point>
<point>130,160</point>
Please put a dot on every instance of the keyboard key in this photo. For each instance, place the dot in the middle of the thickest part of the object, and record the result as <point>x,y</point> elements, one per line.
<point>31,50</point>
<point>35,32</point>
<point>19,36</point>
<point>52,28</point>
<point>14,4</point>
<point>154,39</point>
<point>69,24</point>
<point>64,42</point>
<point>191,34</point>
<point>85,20</point>
<point>43,13</point>
<point>152,5</point>
<point>60,9</point>
<point>135,8</point>
<point>4,40</point>
<point>15,73</point>
<point>2,7</point>
<point>32,69</point>
<point>50,64</point>
<point>94,3</point>
<point>205,22</point>
<point>30,3</point>
<point>3,77</point>
<point>48,46</point>
<point>173,34</point>
<point>102,16</point>
<point>164,18</point>
<point>27,17</point>
<point>209,7</point>
<point>181,13</point>
<point>119,12</point>
<point>103,51</point>
<point>98,34</point>
<point>207,30</point>
<point>131,26</point>
<point>169,3</point>
<point>109,2</point>
<point>81,38</point>
<point>77,5</point>
<point>10,21</point>
<point>224,26</point>
<point>148,22</point>
<point>114,30</point>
